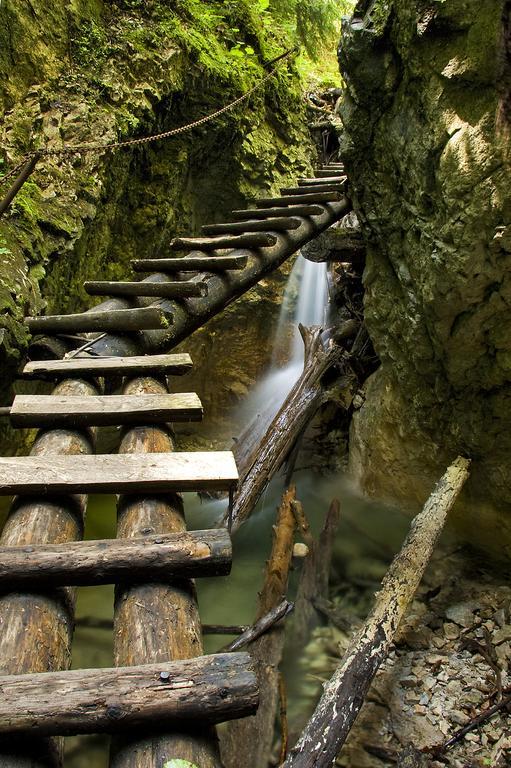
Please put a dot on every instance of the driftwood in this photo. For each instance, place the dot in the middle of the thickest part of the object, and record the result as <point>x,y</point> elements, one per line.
<point>258,464</point>
<point>261,626</point>
<point>314,577</point>
<point>344,694</point>
<point>248,743</point>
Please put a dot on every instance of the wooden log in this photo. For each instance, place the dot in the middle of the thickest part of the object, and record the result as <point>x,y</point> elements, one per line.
<point>190,264</point>
<point>312,188</point>
<point>322,173</point>
<point>258,465</point>
<point>248,743</point>
<point>36,628</point>
<point>345,692</point>
<point>167,290</point>
<point>103,410</point>
<point>124,320</point>
<point>170,365</point>
<point>174,628</point>
<point>154,473</point>
<point>217,687</point>
<point>321,181</point>
<point>224,288</point>
<point>266,213</point>
<point>275,223</point>
<point>312,197</point>
<point>85,563</point>
<point>252,240</point>
<point>314,576</point>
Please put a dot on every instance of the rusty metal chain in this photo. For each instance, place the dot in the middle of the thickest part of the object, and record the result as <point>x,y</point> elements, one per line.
<point>96,147</point>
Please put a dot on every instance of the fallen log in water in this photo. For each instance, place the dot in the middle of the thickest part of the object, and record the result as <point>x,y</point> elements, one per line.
<point>344,694</point>
<point>258,463</point>
<point>248,742</point>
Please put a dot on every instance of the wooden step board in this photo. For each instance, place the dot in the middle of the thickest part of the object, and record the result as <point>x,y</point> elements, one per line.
<point>117,320</point>
<point>314,197</point>
<point>320,173</point>
<point>190,264</point>
<point>49,370</point>
<point>265,213</point>
<point>120,473</point>
<point>312,189</point>
<point>43,411</point>
<point>208,688</point>
<point>162,290</point>
<point>320,182</point>
<point>276,224</point>
<point>252,240</point>
<point>87,563</point>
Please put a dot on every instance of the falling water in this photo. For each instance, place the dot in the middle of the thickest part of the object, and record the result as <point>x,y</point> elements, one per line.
<point>305,301</point>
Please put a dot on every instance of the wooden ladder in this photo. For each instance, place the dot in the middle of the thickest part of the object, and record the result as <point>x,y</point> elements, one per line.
<point>163,694</point>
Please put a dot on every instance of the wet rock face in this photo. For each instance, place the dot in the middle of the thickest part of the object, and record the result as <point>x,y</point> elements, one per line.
<point>426,121</point>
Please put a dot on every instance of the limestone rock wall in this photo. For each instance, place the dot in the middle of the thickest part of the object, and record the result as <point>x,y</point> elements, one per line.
<point>426,145</point>
<point>88,70</point>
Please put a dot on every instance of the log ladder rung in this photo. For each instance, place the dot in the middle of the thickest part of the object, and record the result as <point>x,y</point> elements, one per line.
<point>323,173</point>
<point>136,560</point>
<point>170,365</point>
<point>275,224</point>
<point>210,688</point>
<point>312,188</point>
<point>320,182</point>
<point>313,197</point>
<point>117,320</point>
<point>29,411</point>
<point>265,213</point>
<point>118,473</point>
<point>190,264</point>
<point>251,240</point>
<point>162,290</point>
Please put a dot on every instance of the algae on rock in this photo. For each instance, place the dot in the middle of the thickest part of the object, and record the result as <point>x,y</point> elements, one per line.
<point>425,141</point>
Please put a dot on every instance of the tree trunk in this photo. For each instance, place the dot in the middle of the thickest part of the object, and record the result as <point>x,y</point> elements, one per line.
<point>344,694</point>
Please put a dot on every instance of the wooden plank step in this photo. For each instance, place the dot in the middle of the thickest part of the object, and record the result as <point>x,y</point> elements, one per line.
<point>120,320</point>
<point>28,411</point>
<point>255,240</point>
<point>276,224</point>
<point>320,182</point>
<point>208,688</point>
<point>315,197</point>
<point>162,290</point>
<point>190,264</point>
<point>294,210</point>
<point>322,173</point>
<point>121,473</point>
<point>311,189</point>
<point>87,563</point>
<point>171,365</point>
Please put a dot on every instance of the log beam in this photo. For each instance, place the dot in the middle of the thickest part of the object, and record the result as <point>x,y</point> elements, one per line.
<point>345,692</point>
<point>159,620</point>
<point>87,563</point>
<point>217,687</point>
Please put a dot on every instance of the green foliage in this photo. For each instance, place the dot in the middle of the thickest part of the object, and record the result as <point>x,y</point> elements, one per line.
<point>314,24</point>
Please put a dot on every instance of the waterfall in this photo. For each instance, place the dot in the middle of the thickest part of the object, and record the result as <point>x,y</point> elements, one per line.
<point>305,301</point>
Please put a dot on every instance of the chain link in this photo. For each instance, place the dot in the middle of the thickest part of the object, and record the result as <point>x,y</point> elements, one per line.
<point>96,147</point>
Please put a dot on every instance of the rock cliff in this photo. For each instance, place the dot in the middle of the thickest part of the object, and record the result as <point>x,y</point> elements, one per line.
<point>426,145</point>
